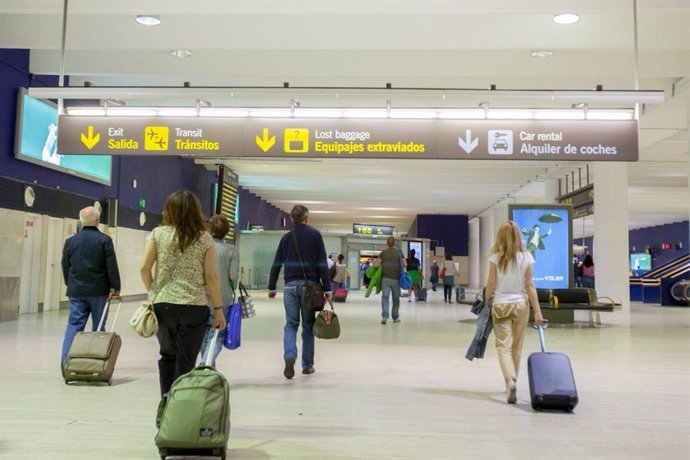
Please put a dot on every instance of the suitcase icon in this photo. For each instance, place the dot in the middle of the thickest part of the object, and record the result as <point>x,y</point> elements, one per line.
<point>296,140</point>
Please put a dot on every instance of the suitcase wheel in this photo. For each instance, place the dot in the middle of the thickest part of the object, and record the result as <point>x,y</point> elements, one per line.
<point>536,407</point>
<point>110,382</point>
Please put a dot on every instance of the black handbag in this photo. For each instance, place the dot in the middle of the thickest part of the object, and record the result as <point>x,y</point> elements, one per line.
<point>313,295</point>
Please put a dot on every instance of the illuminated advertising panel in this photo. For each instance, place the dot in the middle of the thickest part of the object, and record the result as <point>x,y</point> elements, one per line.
<point>37,142</point>
<point>547,234</point>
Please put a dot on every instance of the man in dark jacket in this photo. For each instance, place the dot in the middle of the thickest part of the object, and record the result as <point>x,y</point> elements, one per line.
<point>306,266</point>
<point>89,267</point>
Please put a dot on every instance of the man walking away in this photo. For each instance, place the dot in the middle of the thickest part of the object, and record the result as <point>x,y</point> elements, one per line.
<point>390,259</point>
<point>89,267</point>
<point>304,264</point>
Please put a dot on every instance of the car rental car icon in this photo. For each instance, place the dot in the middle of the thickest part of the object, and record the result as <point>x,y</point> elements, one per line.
<point>500,144</point>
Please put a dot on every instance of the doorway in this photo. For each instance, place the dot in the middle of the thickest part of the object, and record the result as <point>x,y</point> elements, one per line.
<point>31,264</point>
<point>53,273</point>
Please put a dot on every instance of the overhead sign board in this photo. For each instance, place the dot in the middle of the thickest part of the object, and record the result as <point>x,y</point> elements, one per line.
<point>376,230</point>
<point>351,138</point>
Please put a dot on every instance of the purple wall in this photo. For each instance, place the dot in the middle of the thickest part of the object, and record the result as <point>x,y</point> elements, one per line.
<point>255,211</point>
<point>450,231</point>
<point>655,236</point>
<point>157,177</point>
<point>14,73</point>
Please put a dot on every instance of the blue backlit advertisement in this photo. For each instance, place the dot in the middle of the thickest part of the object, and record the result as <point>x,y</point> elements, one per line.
<point>37,140</point>
<point>547,234</point>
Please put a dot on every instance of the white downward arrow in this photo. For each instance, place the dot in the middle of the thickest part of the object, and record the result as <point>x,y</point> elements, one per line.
<point>468,144</point>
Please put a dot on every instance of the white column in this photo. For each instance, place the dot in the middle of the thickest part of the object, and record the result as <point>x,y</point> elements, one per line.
<point>611,236</point>
<point>474,260</point>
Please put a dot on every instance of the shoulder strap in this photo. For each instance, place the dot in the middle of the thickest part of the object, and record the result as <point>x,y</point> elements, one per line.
<point>299,254</point>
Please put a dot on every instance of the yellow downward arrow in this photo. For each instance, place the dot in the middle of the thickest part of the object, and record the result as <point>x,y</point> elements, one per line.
<point>90,140</point>
<point>265,143</point>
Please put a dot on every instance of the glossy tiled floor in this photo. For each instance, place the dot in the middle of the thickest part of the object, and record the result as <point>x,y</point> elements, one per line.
<point>399,391</point>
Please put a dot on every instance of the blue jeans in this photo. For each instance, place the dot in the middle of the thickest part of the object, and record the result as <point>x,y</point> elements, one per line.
<point>292,298</point>
<point>209,335</point>
<point>587,282</point>
<point>390,286</point>
<point>79,310</point>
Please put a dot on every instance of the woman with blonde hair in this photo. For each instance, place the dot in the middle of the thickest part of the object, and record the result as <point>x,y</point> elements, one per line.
<point>185,278</point>
<point>512,289</point>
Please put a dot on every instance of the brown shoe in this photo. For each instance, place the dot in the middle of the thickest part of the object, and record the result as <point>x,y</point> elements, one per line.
<point>308,371</point>
<point>289,371</point>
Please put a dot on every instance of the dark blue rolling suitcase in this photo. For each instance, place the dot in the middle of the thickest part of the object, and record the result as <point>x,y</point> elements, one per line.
<point>422,295</point>
<point>551,380</point>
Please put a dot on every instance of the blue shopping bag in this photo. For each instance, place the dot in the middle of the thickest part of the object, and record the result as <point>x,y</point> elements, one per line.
<point>234,328</point>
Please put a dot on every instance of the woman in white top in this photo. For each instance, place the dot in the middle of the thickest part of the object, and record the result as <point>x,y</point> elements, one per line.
<point>448,275</point>
<point>510,284</point>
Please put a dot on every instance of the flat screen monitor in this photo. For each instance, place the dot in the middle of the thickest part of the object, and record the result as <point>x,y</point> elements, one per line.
<point>37,138</point>
<point>417,246</point>
<point>640,262</point>
<point>547,234</point>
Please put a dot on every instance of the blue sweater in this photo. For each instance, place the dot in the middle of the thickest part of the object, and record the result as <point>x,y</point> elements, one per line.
<point>313,257</point>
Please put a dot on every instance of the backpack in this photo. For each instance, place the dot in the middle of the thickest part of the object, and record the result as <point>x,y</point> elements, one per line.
<point>332,272</point>
<point>196,413</point>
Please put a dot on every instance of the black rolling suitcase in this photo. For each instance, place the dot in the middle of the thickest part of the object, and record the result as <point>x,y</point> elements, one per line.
<point>422,294</point>
<point>551,380</point>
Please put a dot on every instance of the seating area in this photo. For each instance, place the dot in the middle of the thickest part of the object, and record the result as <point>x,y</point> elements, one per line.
<point>569,300</point>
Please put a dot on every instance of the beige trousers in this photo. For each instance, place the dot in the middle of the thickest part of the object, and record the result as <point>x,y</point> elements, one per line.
<point>510,321</point>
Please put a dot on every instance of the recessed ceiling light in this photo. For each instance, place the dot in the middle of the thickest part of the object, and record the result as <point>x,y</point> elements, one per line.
<point>541,53</point>
<point>180,53</point>
<point>566,18</point>
<point>146,20</point>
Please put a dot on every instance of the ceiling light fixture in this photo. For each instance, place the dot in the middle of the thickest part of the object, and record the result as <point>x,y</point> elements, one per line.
<point>147,20</point>
<point>180,53</point>
<point>576,113</point>
<point>541,53</point>
<point>210,93</point>
<point>566,18</point>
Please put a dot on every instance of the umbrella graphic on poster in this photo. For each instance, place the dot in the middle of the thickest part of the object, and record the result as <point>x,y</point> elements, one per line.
<point>534,236</point>
<point>550,218</point>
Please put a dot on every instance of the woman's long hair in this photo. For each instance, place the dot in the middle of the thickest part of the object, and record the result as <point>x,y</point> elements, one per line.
<point>508,244</point>
<point>588,262</point>
<point>182,210</point>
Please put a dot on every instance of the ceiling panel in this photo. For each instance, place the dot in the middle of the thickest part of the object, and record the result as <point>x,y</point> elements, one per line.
<point>414,43</point>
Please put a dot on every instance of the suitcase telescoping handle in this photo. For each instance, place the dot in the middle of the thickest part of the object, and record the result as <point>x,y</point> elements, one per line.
<point>540,329</point>
<point>211,347</point>
<point>105,313</point>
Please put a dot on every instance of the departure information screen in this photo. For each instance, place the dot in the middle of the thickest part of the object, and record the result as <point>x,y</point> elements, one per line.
<point>367,229</point>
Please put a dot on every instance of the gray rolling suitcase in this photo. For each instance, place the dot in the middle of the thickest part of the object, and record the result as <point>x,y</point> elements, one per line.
<point>551,380</point>
<point>93,355</point>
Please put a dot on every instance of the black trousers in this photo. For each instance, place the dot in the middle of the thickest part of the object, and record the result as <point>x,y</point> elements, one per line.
<point>181,330</point>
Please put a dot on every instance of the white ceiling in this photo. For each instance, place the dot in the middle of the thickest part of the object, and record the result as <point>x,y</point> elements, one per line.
<point>408,43</point>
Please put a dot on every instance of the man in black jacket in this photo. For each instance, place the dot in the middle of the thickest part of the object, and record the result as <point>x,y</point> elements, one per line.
<point>89,267</point>
<point>303,264</point>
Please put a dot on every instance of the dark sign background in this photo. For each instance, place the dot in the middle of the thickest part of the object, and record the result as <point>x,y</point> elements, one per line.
<point>344,138</point>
